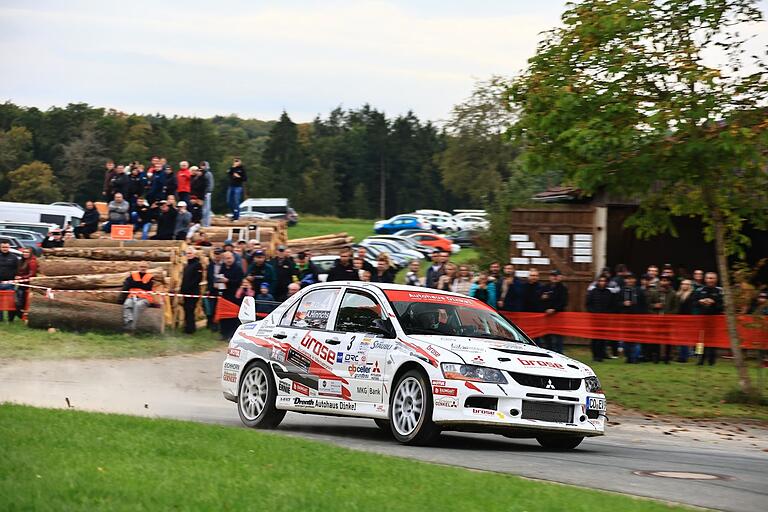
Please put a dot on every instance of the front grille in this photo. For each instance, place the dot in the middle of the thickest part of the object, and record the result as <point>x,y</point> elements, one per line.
<point>545,411</point>
<point>546,382</point>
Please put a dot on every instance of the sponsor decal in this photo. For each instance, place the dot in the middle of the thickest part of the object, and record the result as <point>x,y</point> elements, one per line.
<point>438,383</point>
<point>359,371</point>
<point>478,360</point>
<point>284,387</point>
<point>336,405</point>
<point>382,345</point>
<point>278,354</point>
<point>303,402</point>
<point>369,391</point>
<point>376,372</point>
<point>297,358</point>
<point>483,412</point>
<point>340,357</point>
<point>231,366</point>
<point>248,327</point>
<point>234,352</point>
<point>445,401</point>
<point>351,358</point>
<point>229,376</point>
<point>466,348</point>
<point>432,350</point>
<point>317,348</point>
<point>379,408</point>
<point>500,415</point>
<point>442,390</point>
<point>264,331</point>
<point>328,387</point>
<point>472,386</point>
<point>300,388</point>
<point>546,364</point>
<point>435,298</point>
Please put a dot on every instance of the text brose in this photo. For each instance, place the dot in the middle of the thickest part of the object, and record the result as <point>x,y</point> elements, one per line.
<point>317,348</point>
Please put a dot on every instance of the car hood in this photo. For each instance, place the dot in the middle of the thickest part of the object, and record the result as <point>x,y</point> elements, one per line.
<point>504,355</point>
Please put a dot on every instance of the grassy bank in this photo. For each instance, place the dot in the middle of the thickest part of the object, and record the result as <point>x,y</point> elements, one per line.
<point>67,460</point>
<point>21,342</point>
<point>311,225</point>
<point>675,389</point>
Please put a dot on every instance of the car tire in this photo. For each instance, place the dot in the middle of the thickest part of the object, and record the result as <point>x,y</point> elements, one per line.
<point>560,443</point>
<point>410,411</point>
<point>257,393</point>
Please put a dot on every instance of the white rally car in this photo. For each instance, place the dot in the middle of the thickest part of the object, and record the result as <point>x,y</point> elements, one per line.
<point>415,360</point>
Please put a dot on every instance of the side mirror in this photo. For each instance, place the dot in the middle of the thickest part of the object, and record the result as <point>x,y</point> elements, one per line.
<point>247,312</point>
<point>383,327</point>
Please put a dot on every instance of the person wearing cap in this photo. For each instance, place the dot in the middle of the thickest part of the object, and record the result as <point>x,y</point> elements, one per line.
<point>136,296</point>
<point>554,299</point>
<point>285,272</point>
<point>54,239</point>
<point>264,300</point>
<point>166,221</point>
<point>183,221</point>
<point>261,271</point>
<point>308,273</point>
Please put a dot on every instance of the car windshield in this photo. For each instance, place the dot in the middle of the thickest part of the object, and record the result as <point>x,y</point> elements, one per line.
<point>449,315</point>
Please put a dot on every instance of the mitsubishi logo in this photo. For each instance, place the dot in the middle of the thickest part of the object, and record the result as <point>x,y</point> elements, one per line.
<point>549,384</point>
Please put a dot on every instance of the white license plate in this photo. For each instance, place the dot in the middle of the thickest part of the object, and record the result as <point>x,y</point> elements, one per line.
<point>595,404</point>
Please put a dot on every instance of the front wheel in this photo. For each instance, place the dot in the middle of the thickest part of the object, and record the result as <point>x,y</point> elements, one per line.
<point>384,425</point>
<point>411,410</point>
<point>560,443</point>
<point>256,397</point>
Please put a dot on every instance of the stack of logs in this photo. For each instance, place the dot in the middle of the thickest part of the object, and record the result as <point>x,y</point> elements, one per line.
<point>97,269</point>
<point>269,233</point>
<point>324,244</point>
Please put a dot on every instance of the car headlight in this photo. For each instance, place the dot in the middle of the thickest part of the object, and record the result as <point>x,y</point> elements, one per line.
<point>473,373</point>
<point>593,385</point>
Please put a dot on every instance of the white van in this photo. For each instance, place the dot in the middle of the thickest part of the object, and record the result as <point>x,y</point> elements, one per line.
<point>270,208</point>
<point>40,213</point>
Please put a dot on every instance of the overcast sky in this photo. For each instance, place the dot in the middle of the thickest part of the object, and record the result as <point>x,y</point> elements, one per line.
<point>256,58</point>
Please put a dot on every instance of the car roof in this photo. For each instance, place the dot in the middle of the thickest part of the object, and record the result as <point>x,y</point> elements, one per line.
<point>390,286</point>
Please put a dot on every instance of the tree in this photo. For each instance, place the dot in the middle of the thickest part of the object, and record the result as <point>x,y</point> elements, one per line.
<point>15,149</point>
<point>284,157</point>
<point>83,157</point>
<point>33,183</point>
<point>622,98</point>
<point>477,148</point>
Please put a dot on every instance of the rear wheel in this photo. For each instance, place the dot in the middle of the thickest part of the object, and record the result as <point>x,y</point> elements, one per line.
<point>410,413</point>
<point>560,443</point>
<point>256,397</point>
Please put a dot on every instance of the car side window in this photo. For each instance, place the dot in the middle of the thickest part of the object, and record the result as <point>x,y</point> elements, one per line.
<point>314,309</point>
<point>285,321</point>
<point>357,312</point>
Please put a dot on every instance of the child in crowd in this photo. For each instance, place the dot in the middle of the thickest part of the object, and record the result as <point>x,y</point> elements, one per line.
<point>266,297</point>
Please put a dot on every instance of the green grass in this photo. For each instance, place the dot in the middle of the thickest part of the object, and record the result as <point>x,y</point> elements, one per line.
<point>675,389</point>
<point>68,460</point>
<point>311,225</point>
<point>20,342</point>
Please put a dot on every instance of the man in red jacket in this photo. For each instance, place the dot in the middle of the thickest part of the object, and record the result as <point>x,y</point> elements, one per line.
<point>184,181</point>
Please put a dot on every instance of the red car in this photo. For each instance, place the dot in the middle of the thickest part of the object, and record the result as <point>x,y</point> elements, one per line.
<point>433,240</point>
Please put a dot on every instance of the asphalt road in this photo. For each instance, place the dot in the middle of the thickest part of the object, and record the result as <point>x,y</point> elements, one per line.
<point>187,387</point>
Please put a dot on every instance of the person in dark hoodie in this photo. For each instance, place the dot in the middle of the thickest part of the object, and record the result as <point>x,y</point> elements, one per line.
<point>632,301</point>
<point>531,293</point>
<point>508,290</point>
<point>554,299</point>
<point>285,270</point>
<point>343,270</point>
<point>231,276</point>
<point>237,179</point>
<point>190,285</point>
<point>89,224</point>
<point>166,221</point>
<point>600,299</point>
<point>120,182</point>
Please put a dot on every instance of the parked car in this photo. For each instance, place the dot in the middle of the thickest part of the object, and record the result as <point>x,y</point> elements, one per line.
<point>415,361</point>
<point>438,242</point>
<point>394,247</point>
<point>398,222</point>
<point>410,243</point>
<point>41,213</point>
<point>434,213</point>
<point>471,222</point>
<point>269,208</point>
<point>442,224</point>
<point>31,239</point>
<point>406,232</point>
<point>464,238</point>
<point>399,260</point>
<point>43,228</point>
